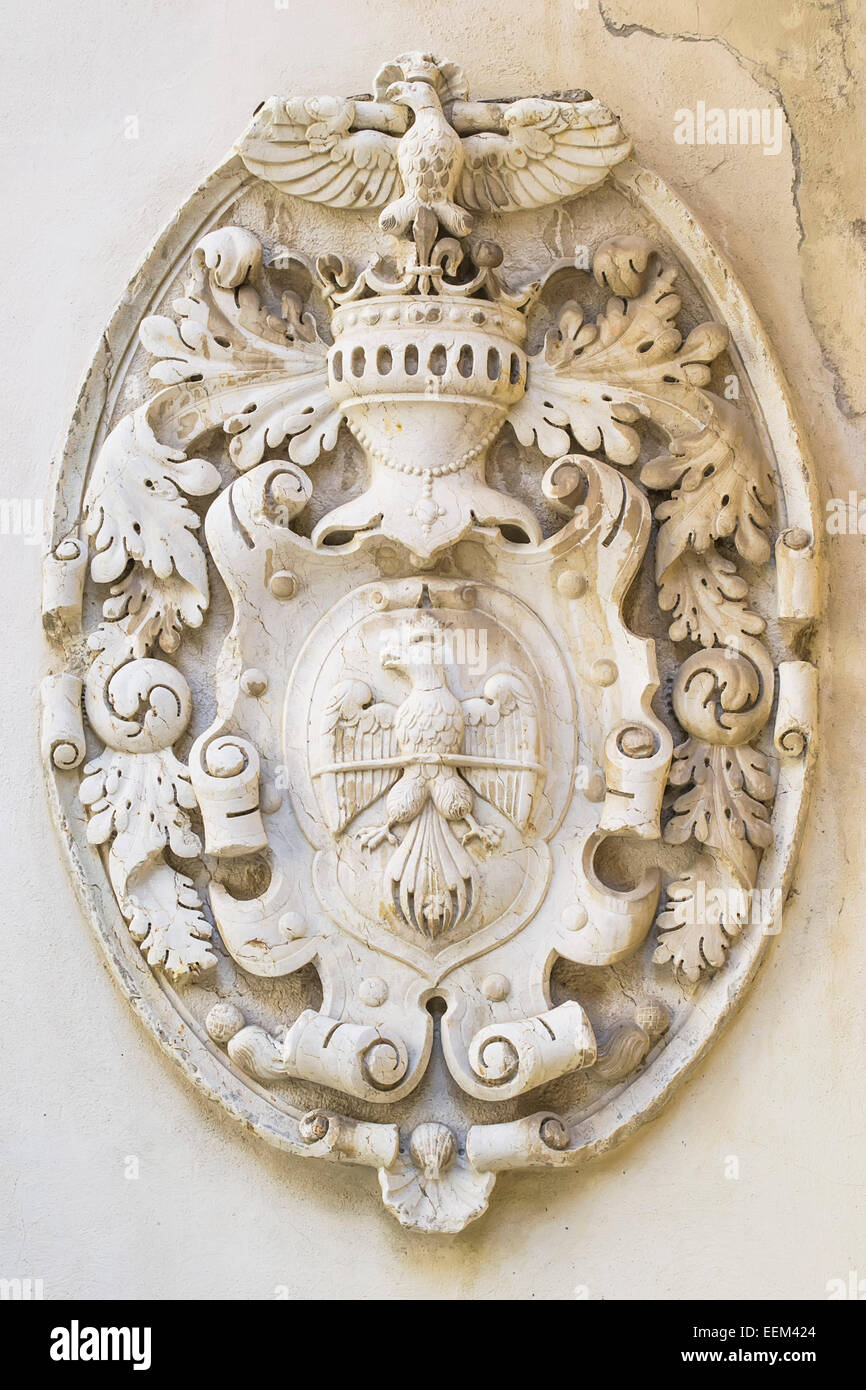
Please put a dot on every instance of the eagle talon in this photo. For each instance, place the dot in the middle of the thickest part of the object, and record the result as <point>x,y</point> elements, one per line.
<point>375,836</point>
<point>489,835</point>
<point>430,756</point>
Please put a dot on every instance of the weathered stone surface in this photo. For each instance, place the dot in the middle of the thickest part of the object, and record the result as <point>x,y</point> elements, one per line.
<point>795,1051</point>
<point>439,759</point>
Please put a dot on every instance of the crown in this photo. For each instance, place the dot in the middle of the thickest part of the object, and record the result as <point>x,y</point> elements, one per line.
<point>409,346</point>
<point>445,327</point>
<point>448,79</point>
<point>420,67</point>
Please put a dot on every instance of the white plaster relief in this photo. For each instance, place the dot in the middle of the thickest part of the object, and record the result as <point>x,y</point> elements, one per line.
<point>440,759</point>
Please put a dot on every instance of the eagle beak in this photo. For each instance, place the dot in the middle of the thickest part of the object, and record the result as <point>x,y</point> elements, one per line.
<point>396,94</point>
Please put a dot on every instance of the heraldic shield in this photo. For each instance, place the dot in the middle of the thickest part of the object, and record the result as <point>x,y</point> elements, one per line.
<point>389,831</point>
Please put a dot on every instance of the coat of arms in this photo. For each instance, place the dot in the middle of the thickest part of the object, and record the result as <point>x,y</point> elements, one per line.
<point>438,689</point>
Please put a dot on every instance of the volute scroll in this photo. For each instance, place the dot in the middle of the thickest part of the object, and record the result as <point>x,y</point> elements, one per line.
<point>427,690</point>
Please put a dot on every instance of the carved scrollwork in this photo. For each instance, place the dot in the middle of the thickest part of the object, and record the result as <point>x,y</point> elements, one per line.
<point>440,758</point>
<point>364,1061</point>
<point>515,1057</point>
<point>139,706</point>
<point>598,381</point>
<point>723,693</point>
<point>139,797</point>
<point>62,728</point>
<point>723,696</point>
<point>225,777</point>
<point>633,366</point>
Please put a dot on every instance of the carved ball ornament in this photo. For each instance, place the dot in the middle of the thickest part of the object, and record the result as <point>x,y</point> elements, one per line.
<point>424,678</point>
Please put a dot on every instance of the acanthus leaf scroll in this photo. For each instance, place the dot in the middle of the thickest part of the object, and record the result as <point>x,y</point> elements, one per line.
<point>434,724</point>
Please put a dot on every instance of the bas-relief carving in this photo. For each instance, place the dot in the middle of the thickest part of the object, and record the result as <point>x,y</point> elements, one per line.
<point>441,756</point>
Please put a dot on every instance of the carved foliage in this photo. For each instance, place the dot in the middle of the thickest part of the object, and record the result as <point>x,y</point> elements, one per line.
<point>725,804</point>
<point>141,803</point>
<point>428,362</point>
<point>227,362</point>
<point>595,382</point>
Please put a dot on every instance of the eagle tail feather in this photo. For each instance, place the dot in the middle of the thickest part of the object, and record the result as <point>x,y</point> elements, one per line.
<point>429,877</point>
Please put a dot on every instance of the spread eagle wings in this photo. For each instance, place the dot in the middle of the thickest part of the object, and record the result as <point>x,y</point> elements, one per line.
<point>306,147</point>
<point>353,730</point>
<point>502,728</point>
<point>552,150</point>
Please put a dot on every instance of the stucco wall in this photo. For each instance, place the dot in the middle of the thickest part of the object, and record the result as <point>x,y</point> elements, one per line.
<point>212,1213</point>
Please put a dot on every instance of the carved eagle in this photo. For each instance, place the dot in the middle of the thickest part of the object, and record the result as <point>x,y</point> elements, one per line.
<point>404,150</point>
<point>496,735</point>
<point>431,754</point>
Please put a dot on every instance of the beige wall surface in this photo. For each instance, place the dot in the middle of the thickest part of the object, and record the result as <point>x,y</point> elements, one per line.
<point>214,1213</point>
